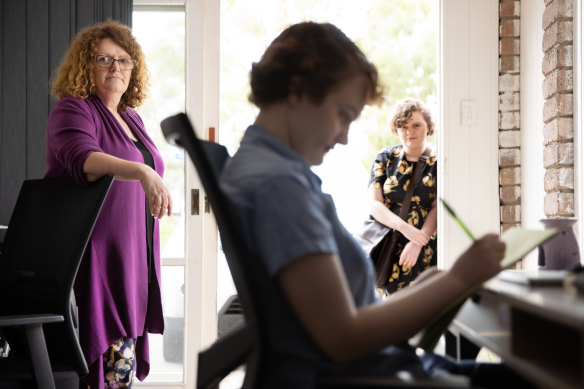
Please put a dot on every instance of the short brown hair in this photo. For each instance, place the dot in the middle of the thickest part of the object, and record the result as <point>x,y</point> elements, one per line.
<point>309,58</point>
<point>74,76</point>
<point>402,112</point>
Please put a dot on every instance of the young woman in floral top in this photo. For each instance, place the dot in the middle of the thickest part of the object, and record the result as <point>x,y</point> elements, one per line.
<point>391,173</point>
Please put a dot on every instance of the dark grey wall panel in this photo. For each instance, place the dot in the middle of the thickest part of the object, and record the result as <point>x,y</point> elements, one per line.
<point>34,36</point>
<point>37,85</point>
<point>89,11</point>
<point>85,13</point>
<point>61,31</point>
<point>13,150</point>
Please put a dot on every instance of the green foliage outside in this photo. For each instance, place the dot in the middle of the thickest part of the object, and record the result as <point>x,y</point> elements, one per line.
<point>399,36</point>
<point>402,43</point>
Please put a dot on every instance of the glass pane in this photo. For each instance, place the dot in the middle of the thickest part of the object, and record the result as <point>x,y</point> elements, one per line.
<point>161,35</point>
<point>166,351</point>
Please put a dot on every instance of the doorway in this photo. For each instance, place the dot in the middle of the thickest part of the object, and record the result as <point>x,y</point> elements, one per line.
<point>400,37</point>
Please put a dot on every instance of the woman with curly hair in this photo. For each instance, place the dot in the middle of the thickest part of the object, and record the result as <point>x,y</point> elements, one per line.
<point>93,131</point>
<point>390,176</point>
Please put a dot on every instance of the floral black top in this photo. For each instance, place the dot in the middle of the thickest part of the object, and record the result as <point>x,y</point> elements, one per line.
<point>392,172</point>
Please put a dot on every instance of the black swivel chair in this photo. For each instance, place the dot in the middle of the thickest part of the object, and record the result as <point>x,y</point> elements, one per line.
<point>247,344</point>
<point>45,241</point>
<point>244,344</point>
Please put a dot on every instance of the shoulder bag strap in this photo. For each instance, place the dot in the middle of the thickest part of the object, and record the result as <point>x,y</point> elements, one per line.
<point>403,212</point>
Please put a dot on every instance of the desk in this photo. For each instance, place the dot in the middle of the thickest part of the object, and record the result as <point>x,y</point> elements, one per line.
<point>539,331</point>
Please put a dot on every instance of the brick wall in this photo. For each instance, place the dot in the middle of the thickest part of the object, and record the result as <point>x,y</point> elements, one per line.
<point>558,153</point>
<point>509,122</point>
<point>558,156</point>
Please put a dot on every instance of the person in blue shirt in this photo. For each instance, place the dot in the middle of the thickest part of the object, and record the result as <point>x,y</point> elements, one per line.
<point>319,290</point>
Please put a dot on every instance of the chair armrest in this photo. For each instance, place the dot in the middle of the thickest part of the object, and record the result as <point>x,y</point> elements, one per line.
<point>24,320</point>
<point>224,355</point>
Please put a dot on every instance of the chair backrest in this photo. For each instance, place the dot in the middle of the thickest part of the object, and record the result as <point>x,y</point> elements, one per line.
<point>245,345</point>
<point>249,343</point>
<point>47,234</point>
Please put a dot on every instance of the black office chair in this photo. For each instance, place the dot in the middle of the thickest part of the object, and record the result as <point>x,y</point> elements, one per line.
<point>243,345</point>
<point>248,344</point>
<point>47,235</point>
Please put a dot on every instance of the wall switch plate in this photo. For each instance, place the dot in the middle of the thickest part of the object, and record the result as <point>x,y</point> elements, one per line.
<point>468,112</point>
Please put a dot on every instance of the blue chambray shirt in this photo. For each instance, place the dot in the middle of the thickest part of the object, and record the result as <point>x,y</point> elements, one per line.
<point>286,216</point>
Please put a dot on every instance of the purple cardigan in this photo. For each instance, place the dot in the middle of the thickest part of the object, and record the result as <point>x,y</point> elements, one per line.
<point>111,288</point>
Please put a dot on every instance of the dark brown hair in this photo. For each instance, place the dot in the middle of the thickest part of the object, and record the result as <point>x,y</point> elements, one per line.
<point>402,112</point>
<point>309,58</point>
<point>74,76</point>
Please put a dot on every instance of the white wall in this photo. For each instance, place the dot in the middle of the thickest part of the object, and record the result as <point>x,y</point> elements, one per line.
<point>532,171</point>
<point>468,155</point>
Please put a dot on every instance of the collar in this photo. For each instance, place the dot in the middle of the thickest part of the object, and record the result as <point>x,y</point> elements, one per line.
<point>257,135</point>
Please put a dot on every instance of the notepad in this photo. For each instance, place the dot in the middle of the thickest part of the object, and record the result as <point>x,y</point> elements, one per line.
<point>520,241</point>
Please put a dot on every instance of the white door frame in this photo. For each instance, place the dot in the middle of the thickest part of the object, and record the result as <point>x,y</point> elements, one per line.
<point>468,154</point>
<point>202,94</point>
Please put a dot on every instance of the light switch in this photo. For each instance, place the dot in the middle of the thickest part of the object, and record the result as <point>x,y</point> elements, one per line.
<point>469,112</point>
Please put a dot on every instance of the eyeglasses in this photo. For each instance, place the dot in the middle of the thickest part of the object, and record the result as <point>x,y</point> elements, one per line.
<point>103,61</point>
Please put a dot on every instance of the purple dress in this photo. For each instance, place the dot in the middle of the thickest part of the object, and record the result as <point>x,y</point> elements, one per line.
<point>111,289</point>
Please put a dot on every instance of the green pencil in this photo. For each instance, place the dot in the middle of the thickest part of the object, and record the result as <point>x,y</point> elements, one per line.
<point>457,219</point>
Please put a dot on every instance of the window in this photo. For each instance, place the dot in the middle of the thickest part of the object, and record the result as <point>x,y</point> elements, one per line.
<point>160,30</point>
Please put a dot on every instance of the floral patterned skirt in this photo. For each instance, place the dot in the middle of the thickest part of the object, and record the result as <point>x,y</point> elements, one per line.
<point>119,364</point>
<point>400,276</point>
